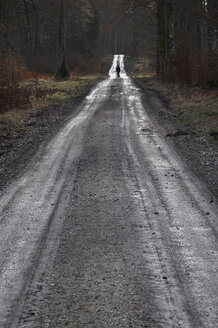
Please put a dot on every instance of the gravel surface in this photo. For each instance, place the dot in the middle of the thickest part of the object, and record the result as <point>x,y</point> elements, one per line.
<point>18,146</point>
<point>106,227</point>
<point>130,253</point>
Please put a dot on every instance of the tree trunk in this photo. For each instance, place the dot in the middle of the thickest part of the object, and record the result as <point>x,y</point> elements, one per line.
<point>164,16</point>
<point>28,19</point>
<point>62,68</point>
<point>212,65</point>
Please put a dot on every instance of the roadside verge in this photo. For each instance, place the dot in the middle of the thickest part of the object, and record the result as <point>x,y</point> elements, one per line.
<point>24,129</point>
<point>188,119</point>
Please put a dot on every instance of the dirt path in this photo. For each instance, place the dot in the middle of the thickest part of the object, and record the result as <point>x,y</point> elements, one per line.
<point>107,228</point>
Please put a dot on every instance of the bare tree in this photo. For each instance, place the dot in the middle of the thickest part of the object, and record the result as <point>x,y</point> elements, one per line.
<point>62,67</point>
<point>212,19</point>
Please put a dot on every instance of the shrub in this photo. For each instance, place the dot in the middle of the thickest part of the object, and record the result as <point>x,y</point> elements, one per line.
<point>12,97</point>
<point>12,69</point>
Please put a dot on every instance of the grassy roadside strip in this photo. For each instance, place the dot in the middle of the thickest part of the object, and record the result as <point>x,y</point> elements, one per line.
<point>195,109</point>
<point>23,128</point>
<point>43,93</point>
<point>188,117</point>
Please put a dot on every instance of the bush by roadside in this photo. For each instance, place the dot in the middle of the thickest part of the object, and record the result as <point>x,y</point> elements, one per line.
<point>18,103</point>
<point>13,97</point>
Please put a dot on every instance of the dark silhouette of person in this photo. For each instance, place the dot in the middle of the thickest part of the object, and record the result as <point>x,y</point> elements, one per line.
<point>118,70</point>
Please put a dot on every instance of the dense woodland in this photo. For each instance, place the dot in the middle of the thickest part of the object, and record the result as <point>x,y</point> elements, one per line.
<point>179,38</point>
<point>29,32</point>
<point>187,35</point>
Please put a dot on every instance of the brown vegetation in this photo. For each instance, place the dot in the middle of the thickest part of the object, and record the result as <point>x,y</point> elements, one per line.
<point>195,109</point>
<point>18,103</point>
<point>13,97</point>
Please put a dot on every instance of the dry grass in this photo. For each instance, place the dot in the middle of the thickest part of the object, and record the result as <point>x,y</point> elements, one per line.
<point>41,94</point>
<point>194,108</point>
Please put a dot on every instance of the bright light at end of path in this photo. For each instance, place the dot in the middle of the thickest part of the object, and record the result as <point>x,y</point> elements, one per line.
<point>118,59</point>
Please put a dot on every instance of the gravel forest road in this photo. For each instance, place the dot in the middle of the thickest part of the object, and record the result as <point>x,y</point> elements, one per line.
<point>107,227</point>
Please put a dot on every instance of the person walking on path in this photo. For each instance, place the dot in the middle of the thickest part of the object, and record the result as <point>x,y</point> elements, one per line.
<point>118,70</point>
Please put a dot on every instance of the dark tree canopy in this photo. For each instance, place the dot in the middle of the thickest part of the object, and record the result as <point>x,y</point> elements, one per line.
<point>179,37</point>
<point>31,28</point>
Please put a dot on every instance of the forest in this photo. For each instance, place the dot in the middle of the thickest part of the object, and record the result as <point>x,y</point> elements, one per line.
<point>178,38</point>
<point>176,41</point>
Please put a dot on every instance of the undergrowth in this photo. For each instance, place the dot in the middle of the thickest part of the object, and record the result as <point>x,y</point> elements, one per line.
<point>17,103</point>
<point>11,97</point>
<point>194,108</point>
